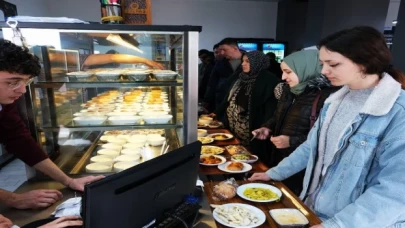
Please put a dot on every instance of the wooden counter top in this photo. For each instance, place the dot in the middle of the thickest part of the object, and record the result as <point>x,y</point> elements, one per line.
<point>288,200</point>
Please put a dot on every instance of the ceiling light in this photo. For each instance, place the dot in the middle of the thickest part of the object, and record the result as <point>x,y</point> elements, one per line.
<point>394,22</point>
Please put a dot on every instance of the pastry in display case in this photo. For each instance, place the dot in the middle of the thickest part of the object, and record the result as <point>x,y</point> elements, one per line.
<point>105,101</point>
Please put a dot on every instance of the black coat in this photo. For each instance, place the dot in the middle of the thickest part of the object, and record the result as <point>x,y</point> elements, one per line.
<point>219,83</point>
<point>262,106</point>
<point>292,118</point>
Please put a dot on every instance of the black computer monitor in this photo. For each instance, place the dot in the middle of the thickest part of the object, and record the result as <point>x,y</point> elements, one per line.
<point>137,196</point>
<point>248,46</point>
<point>277,48</point>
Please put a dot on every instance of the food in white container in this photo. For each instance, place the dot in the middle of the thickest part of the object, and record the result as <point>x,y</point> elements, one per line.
<point>202,132</point>
<point>90,120</point>
<point>102,159</point>
<point>126,137</point>
<point>117,141</point>
<point>288,217</point>
<point>140,137</point>
<point>151,113</point>
<point>121,166</point>
<point>157,119</point>
<point>121,114</point>
<point>105,138</point>
<point>112,146</point>
<point>128,158</point>
<point>205,120</point>
<point>124,120</point>
<point>132,152</point>
<point>98,168</point>
<point>153,136</point>
<point>137,140</point>
<point>91,114</point>
<point>156,141</point>
<point>133,145</point>
<point>110,153</point>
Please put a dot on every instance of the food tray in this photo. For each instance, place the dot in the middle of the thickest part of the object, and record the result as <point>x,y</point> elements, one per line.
<point>80,76</point>
<point>137,75</point>
<point>165,75</point>
<point>108,75</point>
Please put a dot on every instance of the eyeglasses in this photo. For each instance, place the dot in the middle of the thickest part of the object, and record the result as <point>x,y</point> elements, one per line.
<point>18,83</point>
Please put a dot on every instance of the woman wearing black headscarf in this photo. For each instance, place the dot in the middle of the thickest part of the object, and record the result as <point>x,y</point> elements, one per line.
<point>250,101</point>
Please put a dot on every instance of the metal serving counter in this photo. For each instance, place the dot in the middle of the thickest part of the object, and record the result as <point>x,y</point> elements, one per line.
<point>22,217</point>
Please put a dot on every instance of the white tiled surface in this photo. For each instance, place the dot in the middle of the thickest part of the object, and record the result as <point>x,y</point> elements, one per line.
<point>12,175</point>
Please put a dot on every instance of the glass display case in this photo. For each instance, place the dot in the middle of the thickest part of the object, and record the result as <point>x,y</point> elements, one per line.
<point>111,96</point>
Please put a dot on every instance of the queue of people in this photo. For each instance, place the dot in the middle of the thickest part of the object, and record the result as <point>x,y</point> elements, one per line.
<point>332,131</point>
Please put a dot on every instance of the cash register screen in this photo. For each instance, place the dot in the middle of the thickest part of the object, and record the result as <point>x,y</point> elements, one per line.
<point>137,196</point>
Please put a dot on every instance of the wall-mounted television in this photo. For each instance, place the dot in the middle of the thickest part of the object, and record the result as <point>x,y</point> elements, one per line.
<point>277,48</point>
<point>248,46</point>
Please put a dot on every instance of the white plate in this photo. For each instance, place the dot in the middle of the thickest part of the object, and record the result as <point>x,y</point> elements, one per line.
<point>242,188</point>
<point>246,161</point>
<point>223,160</point>
<point>227,135</point>
<point>246,168</point>
<point>256,211</point>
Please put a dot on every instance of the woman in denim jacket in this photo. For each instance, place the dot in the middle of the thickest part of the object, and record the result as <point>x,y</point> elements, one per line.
<point>355,154</point>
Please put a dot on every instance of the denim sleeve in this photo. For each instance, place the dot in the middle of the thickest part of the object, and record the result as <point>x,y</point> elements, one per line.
<point>298,159</point>
<point>381,204</point>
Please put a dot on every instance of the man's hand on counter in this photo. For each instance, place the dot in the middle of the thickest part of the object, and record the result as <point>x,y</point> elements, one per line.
<point>79,183</point>
<point>259,177</point>
<point>5,222</point>
<point>34,199</point>
<point>61,222</point>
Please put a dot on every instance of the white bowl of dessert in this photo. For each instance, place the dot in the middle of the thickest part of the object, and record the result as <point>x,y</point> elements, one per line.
<point>112,146</point>
<point>124,120</point>
<point>102,159</point>
<point>164,119</point>
<point>110,153</point>
<point>121,166</point>
<point>98,168</point>
<point>90,120</point>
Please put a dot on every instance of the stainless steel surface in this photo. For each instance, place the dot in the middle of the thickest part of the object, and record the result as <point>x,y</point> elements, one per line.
<point>22,217</point>
<point>191,87</point>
